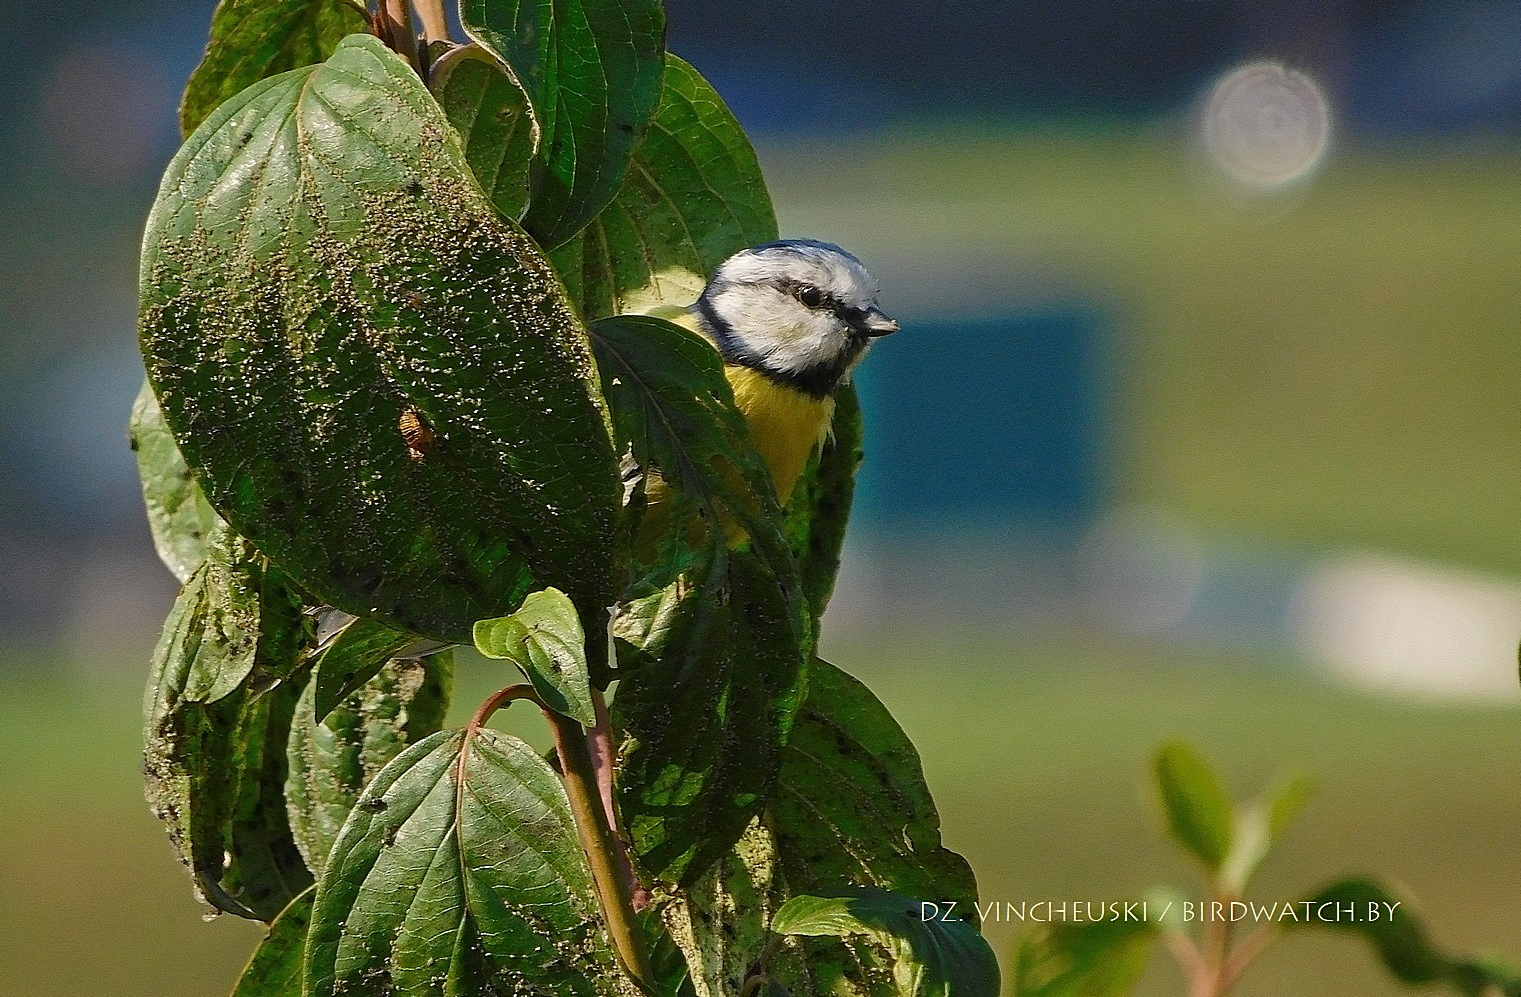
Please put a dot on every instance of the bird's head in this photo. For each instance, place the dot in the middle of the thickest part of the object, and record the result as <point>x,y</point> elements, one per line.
<point>800,311</point>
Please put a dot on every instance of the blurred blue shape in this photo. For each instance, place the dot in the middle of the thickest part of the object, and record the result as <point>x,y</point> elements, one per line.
<point>988,421</point>
<point>1439,68</point>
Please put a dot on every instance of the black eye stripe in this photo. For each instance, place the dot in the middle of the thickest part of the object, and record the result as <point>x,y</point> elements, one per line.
<point>815,297</point>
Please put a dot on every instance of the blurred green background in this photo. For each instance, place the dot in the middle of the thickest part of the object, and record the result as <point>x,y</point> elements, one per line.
<point>1158,454</point>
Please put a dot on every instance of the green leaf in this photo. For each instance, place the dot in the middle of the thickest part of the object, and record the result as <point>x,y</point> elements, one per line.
<point>673,409</point>
<point>819,508</point>
<point>544,639</point>
<point>354,656</point>
<point>255,39</point>
<point>720,921</point>
<point>716,660</point>
<point>215,764</point>
<point>490,112</point>
<point>591,70</point>
<point>179,516</point>
<point>1399,935</point>
<point>275,969</point>
<point>375,378</point>
<point>1198,810</point>
<point>932,956</point>
<point>1096,959</point>
<point>330,763</point>
<point>852,805</point>
<point>1257,827</point>
<point>693,197</point>
<point>459,871</point>
<point>717,670</point>
<point>226,642</point>
<point>1285,803</point>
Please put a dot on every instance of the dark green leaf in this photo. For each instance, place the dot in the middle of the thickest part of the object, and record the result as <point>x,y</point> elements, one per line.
<point>716,660</point>
<point>331,762</point>
<point>490,112</point>
<point>819,509</point>
<point>852,805</point>
<point>946,958</point>
<point>673,409</point>
<point>353,657</point>
<point>591,70</point>
<point>1096,959</point>
<point>1198,810</point>
<point>717,671</point>
<point>255,39</point>
<point>544,639</point>
<point>1400,937</point>
<point>459,871</point>
<point>179,516</point>
<point>216,767</point>
<point>275,969</point>
<point>375,378</point>
<point>693,197</point>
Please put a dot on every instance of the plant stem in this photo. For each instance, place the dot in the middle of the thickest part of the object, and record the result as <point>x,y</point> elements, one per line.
<point>600,741</point>
<point>434,23</point>
<point>602,847</point>
<point>1191,961</point>
<point>393,22</point>
<point>611,875</point>
<point>1219,950</point>
<point>1251,946</point>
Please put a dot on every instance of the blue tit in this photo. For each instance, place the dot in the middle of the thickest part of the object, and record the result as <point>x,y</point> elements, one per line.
<point>791,320</point>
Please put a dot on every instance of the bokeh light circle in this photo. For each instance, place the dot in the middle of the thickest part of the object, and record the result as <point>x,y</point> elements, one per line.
<point>1266,126</point>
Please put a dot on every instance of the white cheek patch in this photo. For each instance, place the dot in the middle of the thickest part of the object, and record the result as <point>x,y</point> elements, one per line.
<point>778,329</point>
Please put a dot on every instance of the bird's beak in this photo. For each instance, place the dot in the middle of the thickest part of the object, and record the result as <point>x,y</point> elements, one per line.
<point>876,323</point>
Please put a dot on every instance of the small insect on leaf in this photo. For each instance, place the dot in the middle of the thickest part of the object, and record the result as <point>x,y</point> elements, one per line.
<point>416,433</point>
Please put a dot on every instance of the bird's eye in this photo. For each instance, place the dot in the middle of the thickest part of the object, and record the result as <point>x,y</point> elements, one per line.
<point>810,296</point>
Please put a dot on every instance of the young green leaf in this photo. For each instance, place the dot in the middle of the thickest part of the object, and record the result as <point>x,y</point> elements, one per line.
<point>693,197</point>
<point>224,647</point>
<point>459,871</point>
<point>354,656</point>
<point>1257,827</point>
<point>1399,935</point>
<point>1285,802</point>
<point>179,517</point>
<point>591,70</point>
<point>1198,810</point>
<point>545,640</point>
<point>490,112</point>
<point>819,509</point>
<point>852,805</point>
<point>255,39</point>
<point>375,378</point>
<point>215,767</point>
<point>932,956</point>
<point>1097,959</point>
<point>275,969</point>
<point>330,762</point>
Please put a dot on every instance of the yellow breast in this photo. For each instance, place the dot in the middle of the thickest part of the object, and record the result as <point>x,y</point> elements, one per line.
<point>786,425</point>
